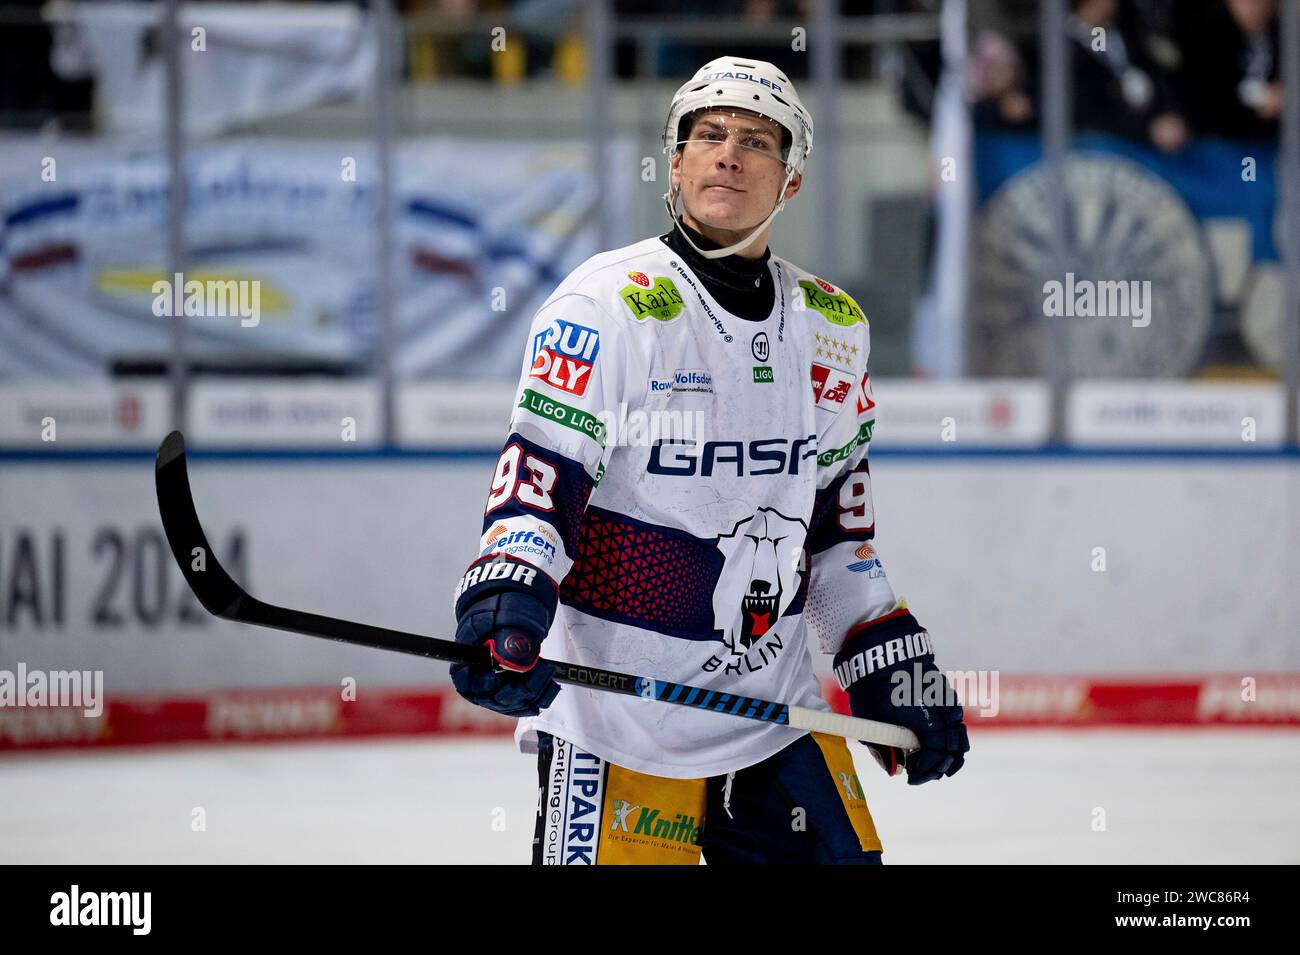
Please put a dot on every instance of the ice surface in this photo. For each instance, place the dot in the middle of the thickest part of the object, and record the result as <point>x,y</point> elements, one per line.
<point>1181,796</point>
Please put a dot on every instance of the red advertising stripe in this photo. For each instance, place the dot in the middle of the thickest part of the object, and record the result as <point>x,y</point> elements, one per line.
<point>285,714</point>
<point>1062,701</point>
<point>259,715</point>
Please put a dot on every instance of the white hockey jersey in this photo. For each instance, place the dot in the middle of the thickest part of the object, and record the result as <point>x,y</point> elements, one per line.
<point>697,486</point>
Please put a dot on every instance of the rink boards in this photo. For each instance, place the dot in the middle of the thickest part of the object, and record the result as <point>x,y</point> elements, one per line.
<point>1105,568</point>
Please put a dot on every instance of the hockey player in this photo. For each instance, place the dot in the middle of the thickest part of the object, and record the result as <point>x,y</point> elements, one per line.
<point>685,494</point>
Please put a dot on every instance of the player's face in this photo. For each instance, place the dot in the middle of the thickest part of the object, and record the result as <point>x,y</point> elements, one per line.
<point>729,172</point>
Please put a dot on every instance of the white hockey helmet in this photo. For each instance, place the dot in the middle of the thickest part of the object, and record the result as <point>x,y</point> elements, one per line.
<point>741,83</point>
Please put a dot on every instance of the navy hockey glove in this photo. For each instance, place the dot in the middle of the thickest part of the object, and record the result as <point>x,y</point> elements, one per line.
<point>887,667</point>
<point>506,606</point>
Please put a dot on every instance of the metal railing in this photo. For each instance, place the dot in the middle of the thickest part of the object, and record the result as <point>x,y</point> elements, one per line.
<point>828,34</point>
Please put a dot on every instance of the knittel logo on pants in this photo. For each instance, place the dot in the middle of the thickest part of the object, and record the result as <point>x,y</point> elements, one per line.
<point>651,824</point>
<point>759,580</point>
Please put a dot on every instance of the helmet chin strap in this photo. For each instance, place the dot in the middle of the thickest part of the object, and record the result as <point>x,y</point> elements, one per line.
<point>670,200</point>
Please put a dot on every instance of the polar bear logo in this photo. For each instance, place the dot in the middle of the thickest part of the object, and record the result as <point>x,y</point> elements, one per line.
<point>760,576</point>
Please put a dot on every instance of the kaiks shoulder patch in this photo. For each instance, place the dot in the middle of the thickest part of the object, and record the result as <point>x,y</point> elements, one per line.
<point>837,306</point>
<point>661,300</point>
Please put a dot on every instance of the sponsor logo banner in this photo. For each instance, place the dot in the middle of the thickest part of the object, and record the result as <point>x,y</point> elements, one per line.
<point>563,356</point>
<point>661,301</point>
<point>960,414</point>
<point>838,309</point>
<point>464,414</point>
<point>572,809</point>
<point>343,415</point>
<point>865,401</point>
<point>59,415</point>
<point>1081,701</point>
<point>522,538</point>
<point>830,386</point>
<point>644,827</point>
<point>827,458</point>
<point>867,562</point>
<point>1196,414</point>
<point>80,268</point>
<point>575,418</point>
<point>694,381</point>
<point>251,715</point>
<point>275,714</point>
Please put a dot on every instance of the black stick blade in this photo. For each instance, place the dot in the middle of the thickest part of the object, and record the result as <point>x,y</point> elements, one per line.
<point>213,587</point>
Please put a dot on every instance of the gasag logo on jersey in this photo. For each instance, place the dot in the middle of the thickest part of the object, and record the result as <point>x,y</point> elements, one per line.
<point>867,562</point>
<point>837,308</point>
<point>691,381</point>
<point>759,580</point>
<point>661,300</point>
<point>563,356</point>
<point>682,458</point>
<point>520,537</point>
<point>830,386</point>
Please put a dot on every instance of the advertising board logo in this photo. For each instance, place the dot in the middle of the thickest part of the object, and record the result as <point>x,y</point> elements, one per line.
<point>128,412</point>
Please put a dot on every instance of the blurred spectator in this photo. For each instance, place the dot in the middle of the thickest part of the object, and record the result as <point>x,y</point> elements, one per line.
<point>461,54</point>
<point>31,94</point>
<point>995,83</point>
<point>911,67</point>
<point>1117,86</point>
<point>1230,75</point>
<point>1152,21</point>
<point>679,59</point>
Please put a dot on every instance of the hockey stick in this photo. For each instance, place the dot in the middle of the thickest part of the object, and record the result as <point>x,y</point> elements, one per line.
<point>221,596</point>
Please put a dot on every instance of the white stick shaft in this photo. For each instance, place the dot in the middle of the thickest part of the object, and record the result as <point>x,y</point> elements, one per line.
<point>869,731</point>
